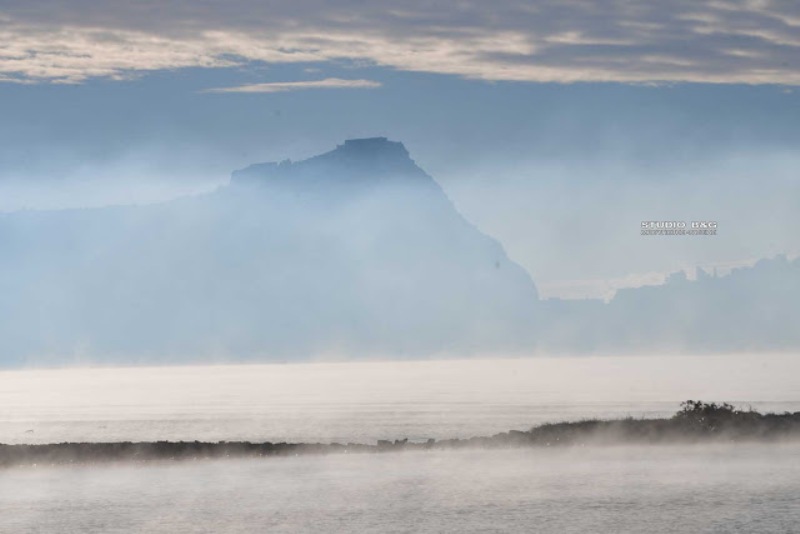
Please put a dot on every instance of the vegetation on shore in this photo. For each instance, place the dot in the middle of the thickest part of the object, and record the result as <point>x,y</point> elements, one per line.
<point>695,422</point>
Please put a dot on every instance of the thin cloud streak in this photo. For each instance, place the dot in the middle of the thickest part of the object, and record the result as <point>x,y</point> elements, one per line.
<point>280,87</point>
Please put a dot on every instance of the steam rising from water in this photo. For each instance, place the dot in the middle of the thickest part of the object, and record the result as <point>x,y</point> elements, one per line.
<point>654,489</point>
<point>661,489</point>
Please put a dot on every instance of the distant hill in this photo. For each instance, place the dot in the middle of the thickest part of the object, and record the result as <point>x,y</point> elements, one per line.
<point>751,309</point>
<point>353,252</point>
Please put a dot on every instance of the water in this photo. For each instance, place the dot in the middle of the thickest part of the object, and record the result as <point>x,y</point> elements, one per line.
<point>655,489</point>
<point>364,402</point>
<point>659,489</point>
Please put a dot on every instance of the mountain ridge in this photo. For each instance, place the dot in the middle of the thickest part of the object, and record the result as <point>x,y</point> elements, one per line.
<point>356,251</point>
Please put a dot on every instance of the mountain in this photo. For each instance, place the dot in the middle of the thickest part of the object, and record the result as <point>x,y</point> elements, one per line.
<point>356,252</point>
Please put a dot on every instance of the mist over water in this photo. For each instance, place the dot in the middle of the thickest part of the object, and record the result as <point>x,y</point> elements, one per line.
<point>658,489</point>
<point>366,401</point>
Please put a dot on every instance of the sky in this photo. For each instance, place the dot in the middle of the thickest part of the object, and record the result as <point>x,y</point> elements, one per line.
<point>554,126</point>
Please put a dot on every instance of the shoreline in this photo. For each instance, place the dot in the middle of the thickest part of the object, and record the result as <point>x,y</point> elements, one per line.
<point>696,423</point>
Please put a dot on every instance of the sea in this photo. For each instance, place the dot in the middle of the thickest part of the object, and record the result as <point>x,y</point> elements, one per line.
<point>689,488</point>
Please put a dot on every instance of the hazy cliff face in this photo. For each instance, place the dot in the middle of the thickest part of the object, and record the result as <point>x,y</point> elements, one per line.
<point>355,251</point>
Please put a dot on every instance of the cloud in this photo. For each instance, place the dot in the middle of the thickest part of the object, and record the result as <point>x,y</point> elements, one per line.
<point>280,87</point>
<point>640,41</point>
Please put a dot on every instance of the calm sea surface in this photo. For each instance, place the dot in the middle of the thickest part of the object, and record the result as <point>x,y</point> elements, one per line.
<point>746,489</point>
<point>364,402</point>
<point>742,488</point>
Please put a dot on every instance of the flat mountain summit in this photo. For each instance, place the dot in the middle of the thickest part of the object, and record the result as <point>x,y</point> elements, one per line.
<point>372,158</point>
<point>355,252</point>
